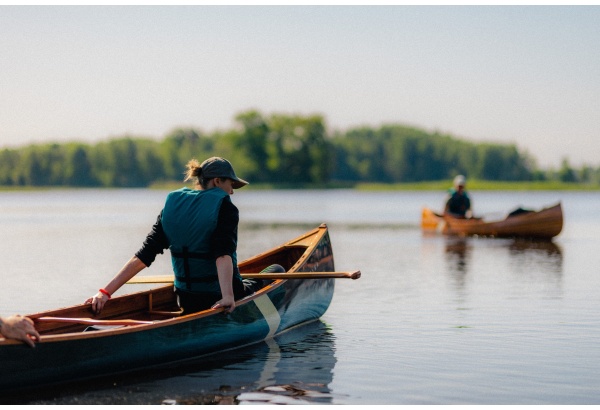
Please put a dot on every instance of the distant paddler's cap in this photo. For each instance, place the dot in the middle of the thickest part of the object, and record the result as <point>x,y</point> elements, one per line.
<point>217,167</point>
<point>460,180</point>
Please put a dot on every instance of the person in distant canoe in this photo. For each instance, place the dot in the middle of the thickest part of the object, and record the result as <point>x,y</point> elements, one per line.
<point>19,328</point>
<point>458,204</point>
<point>200,228</point>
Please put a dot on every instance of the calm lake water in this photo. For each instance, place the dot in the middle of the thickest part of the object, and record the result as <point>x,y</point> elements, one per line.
<point>433,320</point>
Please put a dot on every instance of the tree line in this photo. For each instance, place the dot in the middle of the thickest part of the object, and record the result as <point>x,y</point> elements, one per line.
<point>279,149</point>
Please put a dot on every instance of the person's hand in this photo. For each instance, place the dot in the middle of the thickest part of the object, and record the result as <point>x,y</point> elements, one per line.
<point>97,301</point>
<point>228,303</point>
<point>20,328</point>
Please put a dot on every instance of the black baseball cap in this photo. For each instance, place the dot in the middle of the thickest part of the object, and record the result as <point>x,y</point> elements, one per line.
<point>217,167</point>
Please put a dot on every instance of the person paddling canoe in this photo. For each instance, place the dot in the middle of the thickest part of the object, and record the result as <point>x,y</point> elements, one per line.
<point>200,227</point>
<point>458,203</point>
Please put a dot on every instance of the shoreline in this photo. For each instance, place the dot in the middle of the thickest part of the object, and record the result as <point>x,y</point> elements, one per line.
<point>361,186</point>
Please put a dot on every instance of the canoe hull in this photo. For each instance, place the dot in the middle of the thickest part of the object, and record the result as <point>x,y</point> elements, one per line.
<point>543,224</point>
<point>78,355</point>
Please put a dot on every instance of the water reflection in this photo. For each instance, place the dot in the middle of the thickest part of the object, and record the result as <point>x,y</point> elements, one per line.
<point>457,254</point>
<point>267,373</point>
<point>523,261</point>
<point>548,248</point>
<point>531,256</point>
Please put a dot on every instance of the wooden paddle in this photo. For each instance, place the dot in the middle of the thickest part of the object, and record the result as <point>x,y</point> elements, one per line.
<point>87,321</point>
<point>270,276</point>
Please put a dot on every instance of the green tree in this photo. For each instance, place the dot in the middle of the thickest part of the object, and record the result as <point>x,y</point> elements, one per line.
<point>9,162</point>
<point>252,140</point>
<point>181,145</point>
<point>298,151</point>
<point>566,173</point>
<point>78,166</point>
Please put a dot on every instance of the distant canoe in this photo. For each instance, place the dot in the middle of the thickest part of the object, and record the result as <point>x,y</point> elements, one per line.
<point>543,224</point>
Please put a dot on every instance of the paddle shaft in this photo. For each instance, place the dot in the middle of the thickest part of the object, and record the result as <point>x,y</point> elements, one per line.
<point>269,276</point>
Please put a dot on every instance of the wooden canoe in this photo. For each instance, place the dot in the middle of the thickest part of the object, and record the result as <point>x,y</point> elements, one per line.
<point>144,329</point>
<point>543,224</point>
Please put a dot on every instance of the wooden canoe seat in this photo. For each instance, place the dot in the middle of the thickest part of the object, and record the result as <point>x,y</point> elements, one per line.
<point>167,313</point>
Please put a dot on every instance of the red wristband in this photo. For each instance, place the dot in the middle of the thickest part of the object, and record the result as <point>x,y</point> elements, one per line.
<point>104,291</point>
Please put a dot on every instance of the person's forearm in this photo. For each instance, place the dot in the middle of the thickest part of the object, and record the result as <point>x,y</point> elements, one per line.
<point>131,268</point>
<point>225,273</point>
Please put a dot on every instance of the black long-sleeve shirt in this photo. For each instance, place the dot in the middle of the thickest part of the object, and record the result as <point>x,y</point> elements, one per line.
<point>222,242</point>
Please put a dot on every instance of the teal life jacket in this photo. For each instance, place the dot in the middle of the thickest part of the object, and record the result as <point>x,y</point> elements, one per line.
<point>189,218</point>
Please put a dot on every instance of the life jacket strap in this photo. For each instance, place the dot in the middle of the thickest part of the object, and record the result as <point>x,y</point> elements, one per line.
<point>193,255</point>
<point>186,255</point>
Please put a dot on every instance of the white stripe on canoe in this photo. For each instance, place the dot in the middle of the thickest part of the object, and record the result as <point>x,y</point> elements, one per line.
<point>269,311</point>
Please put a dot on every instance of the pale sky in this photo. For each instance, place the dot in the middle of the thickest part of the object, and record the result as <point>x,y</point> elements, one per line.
<point>511,74</point>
